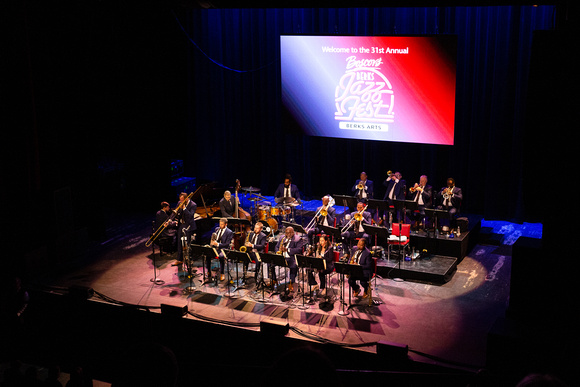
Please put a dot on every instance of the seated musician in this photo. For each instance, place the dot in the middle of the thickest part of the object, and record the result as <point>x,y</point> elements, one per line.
<point>323,249</point>
<point>221,239</point>
<point>290,245</point>
<point>356,230</point>
<point>422,193</point>
<point>228,205</point>
<point>360,255</point>
<point>363,188</point>
<point>326,214</point>
<point>449,198</point>
<point>287,192</point>
<point>256,243</point>
<point>166,241</point>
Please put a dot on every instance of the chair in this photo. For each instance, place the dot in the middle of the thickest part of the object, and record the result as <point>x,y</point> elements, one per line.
<point>400,236</point>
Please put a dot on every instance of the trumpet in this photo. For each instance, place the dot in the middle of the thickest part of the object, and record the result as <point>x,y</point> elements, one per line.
<point>356,218</point>
<point>414,188</point>
<point>447,193</point>
<point>360,186</point>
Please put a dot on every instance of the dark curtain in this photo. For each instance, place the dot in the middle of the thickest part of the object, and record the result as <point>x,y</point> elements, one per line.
<point>237,126</point>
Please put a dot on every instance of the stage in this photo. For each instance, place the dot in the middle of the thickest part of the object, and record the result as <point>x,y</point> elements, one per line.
<point>420,325</point>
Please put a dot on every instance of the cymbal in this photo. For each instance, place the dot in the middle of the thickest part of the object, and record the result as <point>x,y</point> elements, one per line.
<point>250,189</point>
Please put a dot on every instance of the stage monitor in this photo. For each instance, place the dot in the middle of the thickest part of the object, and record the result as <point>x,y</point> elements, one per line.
<point>384,88</point>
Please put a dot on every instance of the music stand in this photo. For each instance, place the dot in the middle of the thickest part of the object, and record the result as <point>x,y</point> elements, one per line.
<point>343,269</point>
<point>347,201</point>
<point>276,260</point>
<point>378,205</point>
<point>155,280</point>
<point>237,257</point>
<point>295,226</point>
<point>378,232</point>
<point>334,232</point>
<point>203,252</point>
<point>437,214</point>
<point>311,263</point>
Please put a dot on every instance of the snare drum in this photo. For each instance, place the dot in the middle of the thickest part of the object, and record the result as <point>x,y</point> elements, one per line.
<point>287,210</point>
<point>263,212</point>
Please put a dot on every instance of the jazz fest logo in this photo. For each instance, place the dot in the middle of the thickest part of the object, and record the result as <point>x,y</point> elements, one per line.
<point>364,96</point>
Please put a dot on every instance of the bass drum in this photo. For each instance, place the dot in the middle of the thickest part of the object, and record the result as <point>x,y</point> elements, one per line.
<point>270,226</point>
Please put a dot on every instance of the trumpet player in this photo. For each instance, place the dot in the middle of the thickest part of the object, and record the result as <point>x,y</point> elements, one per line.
<point>360,255</point>
<point>290,245</point>
<point>396,187</point>
<point>221,239</point>
<point>256,242</point>
<point>449,198</point>
<point>363,188</point>
<point>422,193</point>
<point>356,219</point>
<point>325,215</point>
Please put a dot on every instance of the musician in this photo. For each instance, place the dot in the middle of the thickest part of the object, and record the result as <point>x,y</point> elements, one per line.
<point>290,245</point>
<point>221,239</point>
<point>356,230</point>
<point>228,205</point>
<point>449,198</point>
<point>287,192</point>
<point>256,243</point>
<point>360,255</point>
<point>186,218</point>
<point>396,188</point>
<point>367,190</point>
<point>422,193</point>
<point>323,249</point>
<point>327,220</point>
<point>167,238</point>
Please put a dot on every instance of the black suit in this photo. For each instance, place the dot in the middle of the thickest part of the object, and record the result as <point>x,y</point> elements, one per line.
<point>366,261</point>
<point>424,200</point>
<point>329,218</point>
<point>227,207</point>
<point>224,240</point>
<point>186,227</point>
<point>167,238</point>
<point>259,241</point>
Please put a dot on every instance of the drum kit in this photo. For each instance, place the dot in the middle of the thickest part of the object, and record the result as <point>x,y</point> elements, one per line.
<point>269,215</point>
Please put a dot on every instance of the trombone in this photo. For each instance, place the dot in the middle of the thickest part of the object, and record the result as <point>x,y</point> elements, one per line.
<point>166,223</point>
<point>356,218</point>
<point>322,211</point>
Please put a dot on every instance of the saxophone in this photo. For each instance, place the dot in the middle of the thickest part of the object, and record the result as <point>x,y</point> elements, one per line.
<point>279,252</point>
<point>243,248</point>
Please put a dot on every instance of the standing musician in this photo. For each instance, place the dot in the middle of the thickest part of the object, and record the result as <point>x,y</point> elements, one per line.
<point>422,193</point>
<point>363,188</point>
<point>221,239</point>
<point>326,214</point>
<point>287,192</point>
<point>396,188</point>
<point>360,255</point>
<point>356,230</point>
<point>186,218</point>
<point>290,245</point>
<point>167,238</point>
<point>449,198</point>
<point>227,205</point>
<point>323,249</point>
<point>256,243</point>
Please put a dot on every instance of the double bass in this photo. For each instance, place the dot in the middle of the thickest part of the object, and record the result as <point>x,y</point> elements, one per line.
<point>240,235</point>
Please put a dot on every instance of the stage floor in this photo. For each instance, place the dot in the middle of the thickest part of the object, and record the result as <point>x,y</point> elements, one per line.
<point>448,322</point>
